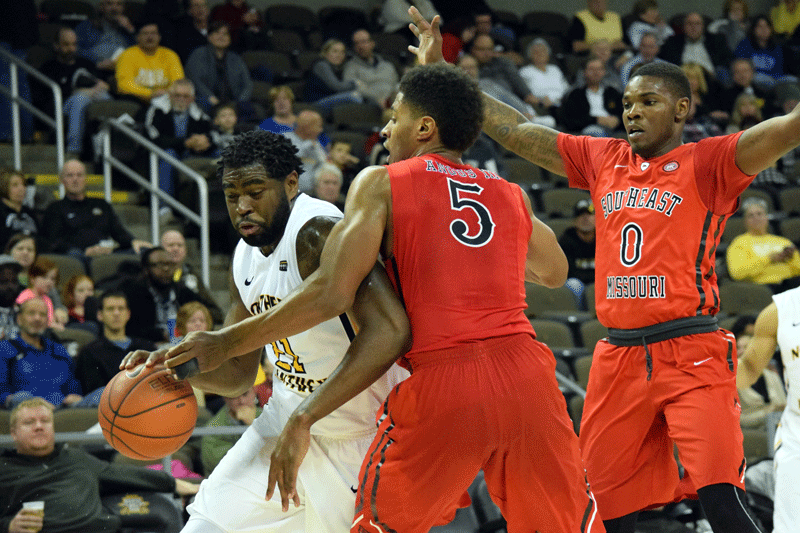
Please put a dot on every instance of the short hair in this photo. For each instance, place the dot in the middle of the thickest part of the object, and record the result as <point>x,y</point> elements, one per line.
<point>29,403</point>
<point>534,42</point>
<point>278,90</point>
<point>147,253</point>
<point>59,31</point>
<point>5,180</point>
<point>670,74</point>
<point>728,5</point>
<point>327,45</point>
<point>69,289</point>
<point>755,201</point>
<point>450,97</point>
<point>329,168</point>
<point>112,293</point>
<point>185,313</point>
<point>226,105</point>
<point>41,266</point>
<point>183,81</point>
<point>641,6</point>
<point>215,25</point>
<point>274,152</point>
<point>18,238</point>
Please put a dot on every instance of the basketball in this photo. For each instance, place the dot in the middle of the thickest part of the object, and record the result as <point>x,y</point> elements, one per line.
<point>147,414</point>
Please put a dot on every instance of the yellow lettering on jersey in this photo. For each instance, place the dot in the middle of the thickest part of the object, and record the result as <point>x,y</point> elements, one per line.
<point>795,352</point>
<point>283,348</point>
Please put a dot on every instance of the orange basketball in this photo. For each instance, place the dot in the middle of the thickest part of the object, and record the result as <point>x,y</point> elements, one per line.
<point>147,414</point>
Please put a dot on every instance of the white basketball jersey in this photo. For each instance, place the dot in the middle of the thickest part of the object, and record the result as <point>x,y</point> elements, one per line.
<point>303,362</point>
<point>788,304</point>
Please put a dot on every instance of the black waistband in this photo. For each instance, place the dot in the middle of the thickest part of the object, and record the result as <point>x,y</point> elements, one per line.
<point>663,331</point>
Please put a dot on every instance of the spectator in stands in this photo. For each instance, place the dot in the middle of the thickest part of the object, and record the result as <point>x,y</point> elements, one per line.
<point>174,243</point>
<point>742,75</point>
<point>578,243</point>
<point>328,184</point>
<point>546,81</point>
<point>648,51</point>
<point>377,75</point>
<point>147,70</point>
<point>219,75</point>
<point>695,45</point>
<point>758,256</point>
<point>340,154</point>
<point>99,360</point>
<point>19,30</point>
<point>499,69</point>
<point>505,39</point>
<point>194,316</point>
<point>154,297</point>
<point>68,479</point>
<point>592,109</point>
<point>225,122</point>
<point>35,365</point>
<point>785,17</point>
<point>310,151</point>
<point>78,298</point>
<point>22,248</point>
<point>394,15</point>
<point>471,66</point>
<point>704,91</point>
<point>177,124</point>
<point>283,119</point>
<point>326,86</point>
<point>81,84</point>
<point>15,216</point>
<point>770,59</point>
<point>43,276</point>
<point>104,38</point>
<point>85,227</point>
<point>601,50</point>
<point>733,24</point>
<point>9,290</point>
<point>746,112</point>
<point>595,23</point>
<point>191,31</point>
<point>241,19</point>
<point>238,411</point>
<point>647,19</point>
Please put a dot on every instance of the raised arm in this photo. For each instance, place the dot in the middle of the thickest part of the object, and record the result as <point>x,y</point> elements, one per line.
<point>545,263</point>
<point>349,255</point>
<point>760,349</point>
<point>502,123</point>
<point>762,145</point>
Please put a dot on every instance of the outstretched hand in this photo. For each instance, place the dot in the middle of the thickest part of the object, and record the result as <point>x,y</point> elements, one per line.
<point>290,449</point>
<point>208,347</point>
<point>429,50</point>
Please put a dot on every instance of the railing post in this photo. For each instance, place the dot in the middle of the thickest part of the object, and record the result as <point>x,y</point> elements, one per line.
<point>16,131</point>
<point>155,220</point>
<point>106,133</point>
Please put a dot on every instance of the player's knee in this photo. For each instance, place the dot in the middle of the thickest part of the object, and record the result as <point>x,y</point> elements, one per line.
<point>726,509</point>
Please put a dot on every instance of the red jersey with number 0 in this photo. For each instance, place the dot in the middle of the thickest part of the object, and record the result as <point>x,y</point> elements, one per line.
<point>659,222</point>
<point>459,247</point>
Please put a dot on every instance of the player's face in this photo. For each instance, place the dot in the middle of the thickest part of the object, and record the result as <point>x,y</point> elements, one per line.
<point>33,432</point>
<point>258,205</point>
<point>400,132</point>
<point>652,116</point>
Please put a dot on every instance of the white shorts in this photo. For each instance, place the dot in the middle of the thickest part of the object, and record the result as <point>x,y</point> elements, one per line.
<point>233,496</point>
<point>786,515</point>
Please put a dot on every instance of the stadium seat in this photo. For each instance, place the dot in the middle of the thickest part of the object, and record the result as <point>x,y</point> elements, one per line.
<point>591,332</point>
<point>74,419</point>
<point>553,333</point>
<point>582,366</point>
<point>561,202</point>
<point>291,17</point>
<point>733,226</point>
<point>743,298</point>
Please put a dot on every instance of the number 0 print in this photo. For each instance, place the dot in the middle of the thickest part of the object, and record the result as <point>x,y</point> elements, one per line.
<point>630,249</point>
<point>282,347</point>
<point>459,228</point>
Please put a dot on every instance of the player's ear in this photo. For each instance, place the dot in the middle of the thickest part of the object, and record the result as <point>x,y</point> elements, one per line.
<point>290,183</point>
<point>682,107</point>
<point>426,127</point>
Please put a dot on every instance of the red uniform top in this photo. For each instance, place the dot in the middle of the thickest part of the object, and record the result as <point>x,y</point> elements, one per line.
<point>460,242</point>
<point>659,222</point>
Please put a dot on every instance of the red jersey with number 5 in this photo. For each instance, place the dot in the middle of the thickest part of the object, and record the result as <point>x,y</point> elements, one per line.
<point>460,242</point>
<point>659,222</point>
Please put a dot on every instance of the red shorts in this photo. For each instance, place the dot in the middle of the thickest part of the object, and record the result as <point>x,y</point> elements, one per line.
<point>630,423</point>
<point>495,406</point>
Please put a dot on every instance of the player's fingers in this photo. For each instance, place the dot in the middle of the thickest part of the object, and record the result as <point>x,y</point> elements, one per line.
<point>272,478</point>
<point>177,355</point>
<point>132,359</point>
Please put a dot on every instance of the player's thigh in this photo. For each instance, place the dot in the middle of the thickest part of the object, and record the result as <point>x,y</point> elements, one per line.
<point>786,516</point>
<point>704,424</point>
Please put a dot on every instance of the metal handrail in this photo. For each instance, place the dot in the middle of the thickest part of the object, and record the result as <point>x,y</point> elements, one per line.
<point>13,94</point>
<point>156,153</point>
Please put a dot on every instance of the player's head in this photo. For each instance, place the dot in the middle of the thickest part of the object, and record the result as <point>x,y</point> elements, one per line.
<point>31,424</point>
<point>259,173</point>
<point>655,106</point>
<point>436,106</point>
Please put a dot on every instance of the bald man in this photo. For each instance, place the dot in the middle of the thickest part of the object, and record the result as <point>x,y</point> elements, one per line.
<point>311,152</point>
<point>174,243</point>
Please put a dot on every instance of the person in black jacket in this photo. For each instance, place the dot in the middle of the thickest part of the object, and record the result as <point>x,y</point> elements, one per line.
<point>578,242</point>
<point>68,480</point>
<point>695,45</point>
<point>15,216</point>
<point>154,298</point>
<point>81,226</point>
<point>99,360</point>
<point>593,109</point>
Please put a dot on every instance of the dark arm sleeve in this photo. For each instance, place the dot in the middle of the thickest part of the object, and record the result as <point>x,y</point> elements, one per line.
<point>118,231</point>
<point>55,236</point>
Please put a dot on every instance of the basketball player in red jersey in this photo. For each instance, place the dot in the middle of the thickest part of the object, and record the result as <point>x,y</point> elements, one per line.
<point>460,243</point>
<point>666,373</point>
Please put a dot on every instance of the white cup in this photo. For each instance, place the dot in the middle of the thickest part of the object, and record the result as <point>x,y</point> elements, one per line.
<point>37,507</point>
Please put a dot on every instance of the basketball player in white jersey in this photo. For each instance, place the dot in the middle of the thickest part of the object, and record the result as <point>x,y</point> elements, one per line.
<point>283,233</point>
<point>779,324</point>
